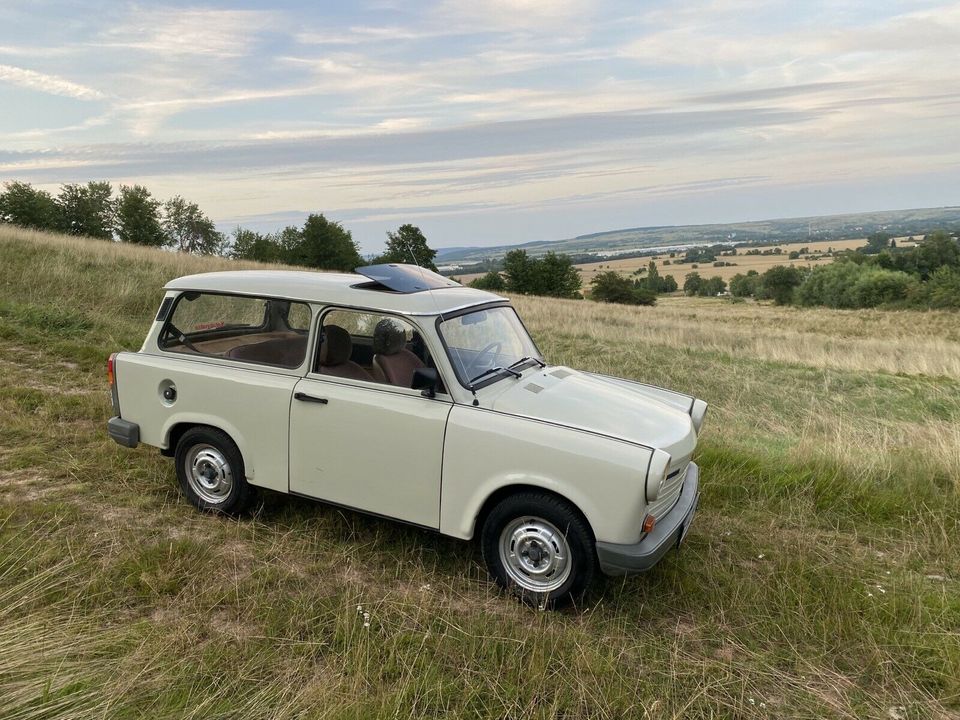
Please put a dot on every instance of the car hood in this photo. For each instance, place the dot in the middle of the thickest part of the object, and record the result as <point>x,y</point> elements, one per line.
<point>627,411</point>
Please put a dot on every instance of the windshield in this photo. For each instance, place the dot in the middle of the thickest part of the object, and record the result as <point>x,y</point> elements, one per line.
<point>482,340</point>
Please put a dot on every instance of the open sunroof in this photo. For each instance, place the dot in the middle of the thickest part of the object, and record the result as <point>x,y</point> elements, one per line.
<point>405,278</point>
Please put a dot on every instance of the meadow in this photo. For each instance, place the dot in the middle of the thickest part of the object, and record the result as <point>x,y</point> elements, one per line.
<point>742,263</point>
<point>821,578</point>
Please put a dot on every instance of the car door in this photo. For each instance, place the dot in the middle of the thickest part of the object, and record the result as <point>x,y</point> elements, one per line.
<point>368,445</point>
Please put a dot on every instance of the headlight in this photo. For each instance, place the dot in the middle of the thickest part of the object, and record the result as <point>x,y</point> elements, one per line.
<point>697,412</point>
<point>657,473</point>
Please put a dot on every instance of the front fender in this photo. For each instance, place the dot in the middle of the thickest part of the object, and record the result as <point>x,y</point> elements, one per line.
<point>486,451</point>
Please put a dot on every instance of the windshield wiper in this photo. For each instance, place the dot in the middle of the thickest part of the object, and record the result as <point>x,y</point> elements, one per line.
<point>527,358</point>
<point>493,370</point>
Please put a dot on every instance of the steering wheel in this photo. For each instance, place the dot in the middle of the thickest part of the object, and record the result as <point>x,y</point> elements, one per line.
<point>491,349</point>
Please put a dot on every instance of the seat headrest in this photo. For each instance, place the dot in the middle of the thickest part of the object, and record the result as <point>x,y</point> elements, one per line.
<point>389,337</point>
<point>336,347</point>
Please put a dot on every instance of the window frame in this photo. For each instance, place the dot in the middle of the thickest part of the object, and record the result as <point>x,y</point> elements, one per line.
<point>172,309</point>
<point>442,395</point>
<point>464,382</point>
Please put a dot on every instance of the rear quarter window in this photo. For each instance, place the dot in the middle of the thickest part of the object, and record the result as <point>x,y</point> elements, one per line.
<point>263,331</point>
<point>197,312</point>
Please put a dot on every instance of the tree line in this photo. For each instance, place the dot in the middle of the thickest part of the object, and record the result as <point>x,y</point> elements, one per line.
<point>877,274</point>
<point>135,216</point>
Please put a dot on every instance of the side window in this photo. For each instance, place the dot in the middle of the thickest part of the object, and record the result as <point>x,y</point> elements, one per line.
<point>248,329</point>
<point>298,317</point>
<point>372,347</point>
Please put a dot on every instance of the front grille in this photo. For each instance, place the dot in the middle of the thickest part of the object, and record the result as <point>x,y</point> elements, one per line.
<point>670,491</point>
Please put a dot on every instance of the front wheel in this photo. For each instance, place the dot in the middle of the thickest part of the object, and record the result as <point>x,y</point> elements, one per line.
<point>211,473</point>
<point>538,547</point>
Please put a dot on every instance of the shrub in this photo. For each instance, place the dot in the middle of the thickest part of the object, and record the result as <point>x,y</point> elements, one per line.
<point>942,290</point>
<point>491,281</point>
<point>748,285</point>
<point>779,283</point>
<point>612,287</point>
<point>551,275</point>
<point>850,285</point>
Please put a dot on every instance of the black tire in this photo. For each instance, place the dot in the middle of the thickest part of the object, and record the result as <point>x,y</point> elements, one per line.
<point>215,457</point>
<point>522,516</point>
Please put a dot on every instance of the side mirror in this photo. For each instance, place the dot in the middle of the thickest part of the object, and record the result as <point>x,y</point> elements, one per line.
<point>425,380</point>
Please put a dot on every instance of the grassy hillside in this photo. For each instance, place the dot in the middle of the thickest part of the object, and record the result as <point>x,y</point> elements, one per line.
<point>821,579</point>
<point>785,230</point>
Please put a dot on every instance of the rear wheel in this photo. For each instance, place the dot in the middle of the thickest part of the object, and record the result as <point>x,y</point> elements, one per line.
<point>211,473</point>
<point>538,547</point>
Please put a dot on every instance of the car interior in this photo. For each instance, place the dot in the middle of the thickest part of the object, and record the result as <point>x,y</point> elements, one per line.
<point>271,332</point>
<point>389,354</point>
<point>353,344</point>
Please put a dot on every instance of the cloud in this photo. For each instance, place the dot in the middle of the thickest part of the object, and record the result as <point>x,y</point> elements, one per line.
<point>188,32</point>
<point>50,84</point>
<point>482,140</point>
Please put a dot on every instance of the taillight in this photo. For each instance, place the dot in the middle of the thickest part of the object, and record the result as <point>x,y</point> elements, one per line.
<point>110,376</point>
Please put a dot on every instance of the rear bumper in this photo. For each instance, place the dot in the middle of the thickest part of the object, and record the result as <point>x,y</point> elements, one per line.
<point>124,432</point>
<point>669,533</point>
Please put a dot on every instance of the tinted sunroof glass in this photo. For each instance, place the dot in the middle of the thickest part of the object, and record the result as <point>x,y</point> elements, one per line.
<point>405,278</point>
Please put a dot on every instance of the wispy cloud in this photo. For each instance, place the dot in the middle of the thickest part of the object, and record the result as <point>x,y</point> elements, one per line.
<point>50,84</point>
<point>188,32</point>
<point>551,115</point>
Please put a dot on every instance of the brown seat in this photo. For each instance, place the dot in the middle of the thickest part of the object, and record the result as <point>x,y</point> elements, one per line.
<point>335,352</point>
<point>284,352</point>
<point>391,355</point>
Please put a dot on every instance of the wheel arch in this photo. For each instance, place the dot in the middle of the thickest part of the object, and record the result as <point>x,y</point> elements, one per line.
<point>178,429</point>
<point>506,491</point>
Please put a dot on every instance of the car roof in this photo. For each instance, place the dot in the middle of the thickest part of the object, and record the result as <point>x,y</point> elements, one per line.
<point>333,289</point>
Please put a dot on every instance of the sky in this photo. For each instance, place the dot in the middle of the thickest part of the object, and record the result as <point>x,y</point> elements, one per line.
<point>488,122</point>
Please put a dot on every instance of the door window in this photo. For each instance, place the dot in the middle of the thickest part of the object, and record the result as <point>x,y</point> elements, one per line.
<point>371,346</point>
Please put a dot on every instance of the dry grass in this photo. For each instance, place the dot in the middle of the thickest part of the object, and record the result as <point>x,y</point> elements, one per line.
<point>820,579</point>
<point>907,342</point>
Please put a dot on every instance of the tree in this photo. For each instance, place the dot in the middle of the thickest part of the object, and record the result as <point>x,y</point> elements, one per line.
<point>323,244</point>
<point>693,284</point>
<point>138,217</point>
<point>714,286</point>
<point>288,243</point>
<point>875,243</point>
<point>22,204</point>
<point>612,287</point>
<point>936,250</point>
<point>408,245</point>
<point>491,281</point>
<point>556,276</point>
<point>668,284</point>
<point>518,269</point>
<point>745,285</point>
<point>187,229</point>
<point>250,245</point>
<point>87,209</point>
<point>779,283</point>
<point>552,275</point>
<point>653,277</point>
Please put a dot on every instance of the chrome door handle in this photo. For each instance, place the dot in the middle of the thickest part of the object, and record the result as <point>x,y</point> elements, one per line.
<point>309,398</point>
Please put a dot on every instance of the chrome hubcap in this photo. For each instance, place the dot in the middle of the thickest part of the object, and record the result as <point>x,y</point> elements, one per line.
<point>535,554</point>
<point>208,473</point>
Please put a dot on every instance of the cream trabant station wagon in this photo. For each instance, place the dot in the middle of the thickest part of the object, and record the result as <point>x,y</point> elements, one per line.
<point>403,394</point>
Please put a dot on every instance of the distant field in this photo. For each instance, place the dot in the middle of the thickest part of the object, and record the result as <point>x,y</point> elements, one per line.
<point>744,263</point>
<point>895,222</point>
<point>821,578</point>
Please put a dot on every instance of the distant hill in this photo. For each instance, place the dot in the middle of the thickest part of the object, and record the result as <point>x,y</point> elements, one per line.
<point>823,227</point>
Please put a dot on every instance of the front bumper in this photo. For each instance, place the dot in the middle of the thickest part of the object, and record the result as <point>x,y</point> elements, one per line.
<point>124,432</point>
<point>669,532</point>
